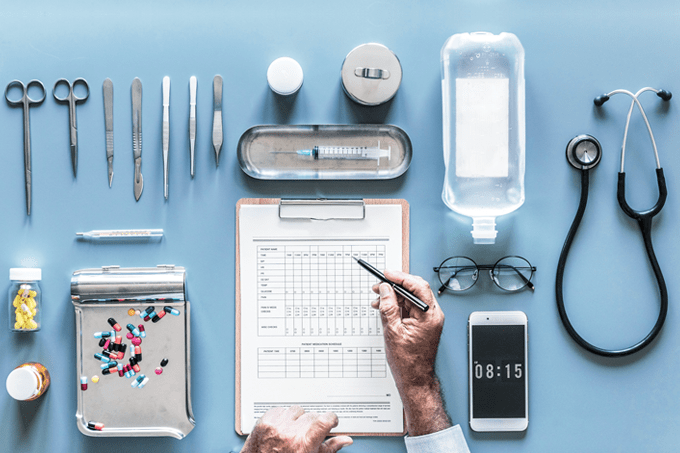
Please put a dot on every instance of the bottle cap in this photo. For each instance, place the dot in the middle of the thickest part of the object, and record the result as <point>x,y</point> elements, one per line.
<point>285,76</point>
<point>22,384</point>
<point>25,273</point>
<point>484,230</point>
<point>371,74</point>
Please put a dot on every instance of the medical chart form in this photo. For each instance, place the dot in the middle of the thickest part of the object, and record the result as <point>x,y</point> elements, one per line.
<point>308,334</point>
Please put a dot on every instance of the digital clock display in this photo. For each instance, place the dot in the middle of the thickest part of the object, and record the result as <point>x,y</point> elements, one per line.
<point>498,371</point>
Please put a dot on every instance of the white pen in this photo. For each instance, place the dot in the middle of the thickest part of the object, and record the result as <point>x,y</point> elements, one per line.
<point>166,132</point>
<point>121,234</point>
<point>192,121</point>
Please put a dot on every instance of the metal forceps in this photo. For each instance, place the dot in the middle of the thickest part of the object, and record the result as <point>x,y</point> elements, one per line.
<point>26,102</point>
<point>72,100</point>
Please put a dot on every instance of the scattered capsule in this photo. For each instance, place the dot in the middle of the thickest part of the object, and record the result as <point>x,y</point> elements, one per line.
<point>143,383</point>
<point>134,364</point>
<point>111,364</point>
<point>112,322</point>
<point>95,379</point>
<point>126,371</point>
<point>118,340</point>
<point>131,312</point>
<point>121,352</point>
<point>113,333</point>
<point>172,311</point>
<point>83,382</point>
<point>146,312</point>
<point>137,381</point>
<point>107,371</point>
<point>164,362</point>
<point>106,345</point>
<point>136,341</point>
<point>102,334</point>
<point>133,330</point>
<point>137,312</point>
<point>138,353</point>
<point>102,342</point>
<point>120,370</point>
<point>142,332</point>
<point>129,336</point>
<point>96,426</point>
<point>158,317</point>
<point>101,357</point>
<point>158,370</point>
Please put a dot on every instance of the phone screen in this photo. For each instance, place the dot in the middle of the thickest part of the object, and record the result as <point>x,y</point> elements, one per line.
<point>498,371</point>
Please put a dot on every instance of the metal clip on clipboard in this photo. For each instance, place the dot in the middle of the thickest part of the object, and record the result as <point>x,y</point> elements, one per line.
<point>322,209</point>
<point>163,408</point>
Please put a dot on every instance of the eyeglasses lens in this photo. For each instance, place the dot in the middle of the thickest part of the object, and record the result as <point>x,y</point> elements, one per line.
<point>458,273</point>
<point>512,273</point>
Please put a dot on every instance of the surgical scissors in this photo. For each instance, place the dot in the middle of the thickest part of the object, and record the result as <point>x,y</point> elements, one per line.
<point>26,102</point>
<point>72,100</point>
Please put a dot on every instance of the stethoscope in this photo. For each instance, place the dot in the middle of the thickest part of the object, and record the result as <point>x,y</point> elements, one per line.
<point>583,153</point>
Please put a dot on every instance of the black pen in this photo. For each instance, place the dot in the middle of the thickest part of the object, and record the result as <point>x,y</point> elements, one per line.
<point>397,288</point>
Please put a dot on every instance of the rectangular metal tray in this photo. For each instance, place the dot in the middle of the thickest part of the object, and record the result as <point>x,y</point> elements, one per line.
<point>269,151</point>
<point>163,406</point>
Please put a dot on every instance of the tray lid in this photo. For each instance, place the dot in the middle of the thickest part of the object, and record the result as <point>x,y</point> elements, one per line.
<point>163,282</point>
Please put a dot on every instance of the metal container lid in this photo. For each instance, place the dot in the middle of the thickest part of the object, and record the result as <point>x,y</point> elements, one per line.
<point>371,74</point>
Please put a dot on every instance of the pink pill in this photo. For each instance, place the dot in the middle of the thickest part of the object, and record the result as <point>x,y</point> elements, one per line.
<point>158,370</point>
<point>136,341</point>
<point>129,336</point>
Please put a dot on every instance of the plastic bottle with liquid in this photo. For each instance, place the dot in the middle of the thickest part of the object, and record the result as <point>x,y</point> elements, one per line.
<point>484,134</point>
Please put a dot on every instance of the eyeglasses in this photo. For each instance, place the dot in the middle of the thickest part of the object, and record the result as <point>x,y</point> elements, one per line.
<point>510,273</point>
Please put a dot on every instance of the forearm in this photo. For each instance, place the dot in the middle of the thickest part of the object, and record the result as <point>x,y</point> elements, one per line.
<point>424,408</point>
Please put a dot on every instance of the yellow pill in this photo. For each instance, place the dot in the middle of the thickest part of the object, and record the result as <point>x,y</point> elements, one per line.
<point>131,312</point>
<point>95,379</point>
<point>32,293</point>
<point>32,324</point>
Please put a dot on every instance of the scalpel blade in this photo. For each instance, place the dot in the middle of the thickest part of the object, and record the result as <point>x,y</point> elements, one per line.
<point>137,135</point>
<point>107,88</point>
<point>217,136</point>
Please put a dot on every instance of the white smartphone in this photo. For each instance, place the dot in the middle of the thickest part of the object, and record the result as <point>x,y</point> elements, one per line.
<point>499,383</point>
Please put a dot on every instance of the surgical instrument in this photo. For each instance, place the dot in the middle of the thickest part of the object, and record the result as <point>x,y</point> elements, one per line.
<point>192,122</point>
<point>107,88</point>
<point>343,152</point>
<point>121,234</point>
<point>137,135</point>
<point>583,153</point>
<point>72,100</point>
<point>26,102</point>
<point>166,132</point>
<point>217,136</point>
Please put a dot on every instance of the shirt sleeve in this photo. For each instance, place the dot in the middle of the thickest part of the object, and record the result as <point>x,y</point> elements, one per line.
<point>450,440</point>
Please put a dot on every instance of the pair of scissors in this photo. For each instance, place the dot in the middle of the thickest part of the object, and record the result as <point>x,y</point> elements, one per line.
<point>26,102</point>
<point>71,99</point>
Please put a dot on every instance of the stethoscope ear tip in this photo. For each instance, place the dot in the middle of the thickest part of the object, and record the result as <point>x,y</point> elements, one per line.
<point>598,101</point>
<point>665,95</point>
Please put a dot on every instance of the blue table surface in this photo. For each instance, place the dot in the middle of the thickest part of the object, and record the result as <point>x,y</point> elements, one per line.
<point>574,51</point>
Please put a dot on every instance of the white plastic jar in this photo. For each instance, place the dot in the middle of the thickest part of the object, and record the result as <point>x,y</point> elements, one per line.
<point>25,297</point>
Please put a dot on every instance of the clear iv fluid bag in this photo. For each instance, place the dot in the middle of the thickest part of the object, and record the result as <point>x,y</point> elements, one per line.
<point>483,112</point>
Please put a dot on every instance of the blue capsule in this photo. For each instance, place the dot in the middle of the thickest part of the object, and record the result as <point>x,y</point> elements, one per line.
<point>137,381</point>
<point>101,357</point>
<point>111,364</point>
<point>172,311</point>
<point>152,314</point>
<point>102,334</point>
<point>145,312</point>
<point>133,329</point>
<point>143,383</point>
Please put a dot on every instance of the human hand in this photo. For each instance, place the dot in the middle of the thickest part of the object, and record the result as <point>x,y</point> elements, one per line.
<point>291,430</point>
<point>411,335</point>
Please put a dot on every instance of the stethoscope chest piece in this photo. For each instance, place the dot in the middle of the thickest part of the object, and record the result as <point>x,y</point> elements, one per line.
<point>584,152</point>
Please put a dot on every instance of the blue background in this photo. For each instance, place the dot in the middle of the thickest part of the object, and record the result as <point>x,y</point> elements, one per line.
<point>574,51</point>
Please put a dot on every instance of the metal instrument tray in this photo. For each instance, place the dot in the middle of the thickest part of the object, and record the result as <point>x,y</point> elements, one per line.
<point>163,406</point>
<point>269,152</point>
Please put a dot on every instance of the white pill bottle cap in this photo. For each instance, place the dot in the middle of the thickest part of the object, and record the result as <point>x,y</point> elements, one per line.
<point>23,384</point>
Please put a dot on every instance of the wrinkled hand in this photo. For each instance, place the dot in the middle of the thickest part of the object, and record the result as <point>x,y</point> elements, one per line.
<point>291,430</point>
<point>411,335</point>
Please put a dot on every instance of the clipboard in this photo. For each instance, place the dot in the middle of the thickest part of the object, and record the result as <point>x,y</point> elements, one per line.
<point>322,210</point>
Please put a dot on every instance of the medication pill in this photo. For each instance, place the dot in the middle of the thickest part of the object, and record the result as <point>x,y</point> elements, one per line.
<point>113,334</point>
<point>131,312</point>
<point>83,382</point>
<point>158,317</point>
<point>104,366</point>
<point>138,353</point>
<point>172,311</point>
<point>126,371</point>
<point>164,362</point>
<point>112,322</point>
<point>120,369</point>
<point>151,315</point>
<point>143,383</point>
<point>107,343</point>
<point>129,336</point>
<point>118,340</point>
<point>102,342</point>
<point>142,332</point>
<point>136,341</point>
<point>102,334</point>
<point>134,364</point>
<point>146,312</point>
<point>97,426</point>
<point>137,312</point>
<point>107,371</point>
<point>101,357</point>
<point>136,382</point>
<point>158,370</point>
<point>95,379</point>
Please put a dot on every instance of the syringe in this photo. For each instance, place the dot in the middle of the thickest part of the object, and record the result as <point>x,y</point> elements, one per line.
<point>346,152</point>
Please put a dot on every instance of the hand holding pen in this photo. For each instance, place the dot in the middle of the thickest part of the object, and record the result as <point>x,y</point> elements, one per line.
<point>397,287</point>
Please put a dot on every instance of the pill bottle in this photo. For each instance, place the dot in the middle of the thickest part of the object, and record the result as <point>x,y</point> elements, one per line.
<point>24,299</point>
<point>28,382</point>
<point>484,142</point>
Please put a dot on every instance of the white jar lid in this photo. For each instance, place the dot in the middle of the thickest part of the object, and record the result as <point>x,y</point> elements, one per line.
<point>25,273</point>
<point>22,384</point>
<point>285,76</point>
<point>371,74</point>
